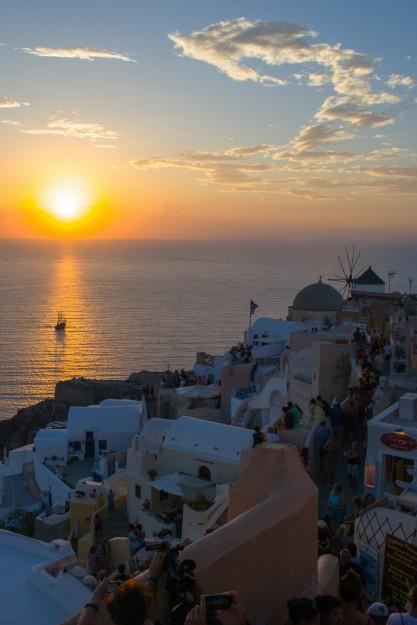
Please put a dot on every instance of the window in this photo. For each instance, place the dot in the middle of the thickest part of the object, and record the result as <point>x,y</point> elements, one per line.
<point>204,473</point>
<point>138,491</point>
<point>102,445</point>
<point>163,495</point>
<point>76,445</point>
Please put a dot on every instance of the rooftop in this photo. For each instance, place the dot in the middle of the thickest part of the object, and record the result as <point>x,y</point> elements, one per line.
<point>368,277</point>
<point>318,297</point>
<point>27,593</point>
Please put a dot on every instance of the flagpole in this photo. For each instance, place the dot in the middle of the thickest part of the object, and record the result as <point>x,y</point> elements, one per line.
<point>250,324</point>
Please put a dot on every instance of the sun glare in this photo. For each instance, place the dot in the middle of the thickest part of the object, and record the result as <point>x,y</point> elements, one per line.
<point>67,202</point>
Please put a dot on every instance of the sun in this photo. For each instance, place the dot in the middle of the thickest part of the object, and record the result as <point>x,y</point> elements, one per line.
<point>67,202</point>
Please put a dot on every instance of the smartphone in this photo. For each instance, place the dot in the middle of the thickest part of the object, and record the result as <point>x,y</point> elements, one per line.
<point>218,602</point>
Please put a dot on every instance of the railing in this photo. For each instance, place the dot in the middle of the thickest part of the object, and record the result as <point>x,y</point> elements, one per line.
<point>269,361</point>
<point>244,393</point>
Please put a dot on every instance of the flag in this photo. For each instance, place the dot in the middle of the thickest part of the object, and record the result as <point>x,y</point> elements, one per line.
<point>253,306</point>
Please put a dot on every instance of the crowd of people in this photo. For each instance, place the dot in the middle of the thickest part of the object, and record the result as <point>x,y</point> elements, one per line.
<point>135,600</point>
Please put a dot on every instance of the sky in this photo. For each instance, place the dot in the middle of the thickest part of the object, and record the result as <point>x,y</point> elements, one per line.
<point>178,119</point>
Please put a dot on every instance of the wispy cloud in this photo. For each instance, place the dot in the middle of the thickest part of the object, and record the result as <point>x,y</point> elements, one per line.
<point>10,122</point>
<point>82,53</point>
<point>9,103</point>
<point>229,44</point>
<point>397,80</point>
<point>74,128</point>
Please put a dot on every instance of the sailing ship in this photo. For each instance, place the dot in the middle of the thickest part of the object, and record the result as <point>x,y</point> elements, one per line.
<point>61,322</point>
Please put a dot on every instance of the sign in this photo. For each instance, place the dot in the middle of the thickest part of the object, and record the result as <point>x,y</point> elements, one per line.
<point>399,441</point>
<point>400,570</point>
<point>369,566</point>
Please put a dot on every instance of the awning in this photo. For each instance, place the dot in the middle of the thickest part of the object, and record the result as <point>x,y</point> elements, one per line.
<point>174,483</point>
<point>199,391</point>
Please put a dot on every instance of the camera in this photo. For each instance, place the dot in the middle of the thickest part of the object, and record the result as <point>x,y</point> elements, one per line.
<point>180,575</point>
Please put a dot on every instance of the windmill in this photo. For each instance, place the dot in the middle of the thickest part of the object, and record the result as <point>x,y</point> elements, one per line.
<point>349,272</point>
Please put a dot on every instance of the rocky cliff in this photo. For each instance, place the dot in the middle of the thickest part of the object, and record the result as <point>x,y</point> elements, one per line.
<point>21,429</point>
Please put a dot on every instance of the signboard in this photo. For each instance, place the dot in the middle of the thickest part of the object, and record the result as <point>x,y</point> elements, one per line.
<point>400,570</point>
<point>399,441</point>
<point>369,566</point>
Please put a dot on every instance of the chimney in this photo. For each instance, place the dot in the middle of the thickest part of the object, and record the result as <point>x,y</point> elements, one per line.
<point>408,407</point>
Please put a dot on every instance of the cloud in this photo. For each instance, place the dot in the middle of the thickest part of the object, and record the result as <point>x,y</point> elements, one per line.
<point>75,129</point>
<point>229,45</point>
<point>9,103</point>
<point>220,168</point>
<point>397,80</point>
<point>317,80</point>
<point>82,53</point>
<point>10,122</point>
<point>304,146</point>
<point>349,110</point>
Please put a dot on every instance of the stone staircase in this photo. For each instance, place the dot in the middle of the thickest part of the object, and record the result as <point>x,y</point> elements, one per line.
<point>117,525</point>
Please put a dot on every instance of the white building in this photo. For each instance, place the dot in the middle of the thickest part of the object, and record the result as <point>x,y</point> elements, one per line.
<point>391,458</point>
<point>34,587</point>
<point>17,486</point>
<point>187,460</point>
<point>368,282</point>
<point>91,446</point>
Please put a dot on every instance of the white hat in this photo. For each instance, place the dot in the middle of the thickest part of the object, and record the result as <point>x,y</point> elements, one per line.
<point>378,611</point>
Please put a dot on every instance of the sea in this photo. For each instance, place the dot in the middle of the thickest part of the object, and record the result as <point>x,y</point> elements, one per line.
<point>133,305</point>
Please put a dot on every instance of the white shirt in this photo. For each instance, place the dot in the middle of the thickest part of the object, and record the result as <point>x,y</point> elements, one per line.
<point>401,619</point>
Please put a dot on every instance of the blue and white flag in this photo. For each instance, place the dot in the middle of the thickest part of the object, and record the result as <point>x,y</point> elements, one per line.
<point>253,306</point>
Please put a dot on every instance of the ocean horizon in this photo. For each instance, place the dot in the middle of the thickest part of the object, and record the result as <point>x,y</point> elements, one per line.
<point>140,304</point>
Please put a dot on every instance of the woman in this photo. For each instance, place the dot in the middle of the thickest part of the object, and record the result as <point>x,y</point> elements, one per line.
<point>410,617</point>
<point>350,594</point>
<point>330,609</point>
<point>303,611</point>
<point>135,542</point>
<point>353,464</point>
<point>336,504</point>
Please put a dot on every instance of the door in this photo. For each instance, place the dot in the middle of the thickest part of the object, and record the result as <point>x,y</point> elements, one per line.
<point>89,445</point>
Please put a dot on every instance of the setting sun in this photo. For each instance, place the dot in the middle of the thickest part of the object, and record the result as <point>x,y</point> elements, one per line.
<point>67,202</point>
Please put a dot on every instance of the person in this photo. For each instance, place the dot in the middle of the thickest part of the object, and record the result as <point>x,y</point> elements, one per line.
<point>378,613</point>
<point>321,437</point>
<point>303,611</point>
<point>323,535</point>
<point>368,501</point>
<point>272,434</point>
<point>257,436</point>
<point>347,564</point>
<point>357,506</point>
<point>295,412</point>
<point>350,589</point>
<point>336,419</point>
<point>287,418</point>
<point>331,457</point>
<point>357,336</point>
<point>336,503</point>
<point>330,609</point>
<point>353,464</point>
<point>121,575</point>
<point>135,542</point>
<point>130,604</point>
<point>324,405</point>
<point>410,617</point>
<point>92,560</point>
<point>98,524</point>
<point>110,501</point>
<point>316,413</point>
<point>235,615</point>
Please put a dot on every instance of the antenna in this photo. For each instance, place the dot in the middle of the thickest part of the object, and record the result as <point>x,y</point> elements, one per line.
<point>410,284</point>
<point>391,274</point>
<point>348,272</point>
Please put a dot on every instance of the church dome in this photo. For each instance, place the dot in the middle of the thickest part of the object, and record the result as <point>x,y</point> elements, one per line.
<point>318,297</point>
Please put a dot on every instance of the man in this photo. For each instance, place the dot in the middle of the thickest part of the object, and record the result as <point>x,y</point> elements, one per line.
<point>257,436</point>
<point>378,613</point>
<point>295,412</point>
<point>316,413</point>
<point>322,436</point>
